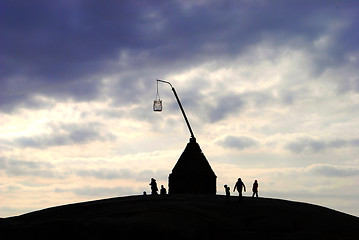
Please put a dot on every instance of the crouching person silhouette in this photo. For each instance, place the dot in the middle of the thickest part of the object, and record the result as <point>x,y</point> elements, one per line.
<point>239,186</point>
<point>154,188</point>
<point>228,194</point>
<point>163,190</point>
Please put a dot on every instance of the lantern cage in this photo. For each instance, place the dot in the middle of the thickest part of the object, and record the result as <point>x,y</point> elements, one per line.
<point>157,103</point>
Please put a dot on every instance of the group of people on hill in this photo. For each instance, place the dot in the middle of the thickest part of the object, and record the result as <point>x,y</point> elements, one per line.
<point>154,188</point>
<point>240,187</point>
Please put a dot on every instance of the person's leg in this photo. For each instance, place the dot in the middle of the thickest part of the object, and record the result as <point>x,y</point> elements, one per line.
<point>240,196</point>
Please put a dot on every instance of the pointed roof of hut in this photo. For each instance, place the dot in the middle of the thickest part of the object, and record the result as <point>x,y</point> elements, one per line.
<point>193,161</point>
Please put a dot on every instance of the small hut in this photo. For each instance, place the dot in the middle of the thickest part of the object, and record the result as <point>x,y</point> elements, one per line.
<point>192,172</point>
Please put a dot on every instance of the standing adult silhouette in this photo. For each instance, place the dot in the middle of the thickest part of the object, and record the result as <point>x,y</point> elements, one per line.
<point>240,187</point>
<point>154,187</point>
<point>255,188</point>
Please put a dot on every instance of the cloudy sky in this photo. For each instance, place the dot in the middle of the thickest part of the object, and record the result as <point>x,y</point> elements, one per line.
<point>271,89</point>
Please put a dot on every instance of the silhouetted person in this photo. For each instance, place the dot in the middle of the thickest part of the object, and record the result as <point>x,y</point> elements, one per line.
<point>239,186</point>
<point>228,194</point>
<point>154,188</point>
<point>163,190</point>
<point>255,188</point>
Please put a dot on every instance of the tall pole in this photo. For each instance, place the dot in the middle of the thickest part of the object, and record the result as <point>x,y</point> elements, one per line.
<point>182,110</point>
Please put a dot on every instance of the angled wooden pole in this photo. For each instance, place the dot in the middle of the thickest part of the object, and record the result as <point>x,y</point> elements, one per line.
<point>180,105</point>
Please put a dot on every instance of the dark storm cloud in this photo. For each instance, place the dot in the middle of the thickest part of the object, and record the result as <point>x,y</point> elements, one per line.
<point>238,142</point>
<point>209,108</point>
<point>311,145</point>
<point>224,106</point>
<point>63,49</point>
<point>66,134</point>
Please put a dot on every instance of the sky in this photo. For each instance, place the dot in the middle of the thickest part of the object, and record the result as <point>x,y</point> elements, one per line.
<point>271,89</point>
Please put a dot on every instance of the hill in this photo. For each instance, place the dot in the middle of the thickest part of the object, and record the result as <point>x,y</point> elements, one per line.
<point>183,216</point>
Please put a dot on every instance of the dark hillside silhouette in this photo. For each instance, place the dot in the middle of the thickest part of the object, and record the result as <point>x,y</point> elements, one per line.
<point>183,216</point>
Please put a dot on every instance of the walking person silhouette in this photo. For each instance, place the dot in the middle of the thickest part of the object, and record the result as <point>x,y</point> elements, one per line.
<point>239,186</point>
<point>255,188</point>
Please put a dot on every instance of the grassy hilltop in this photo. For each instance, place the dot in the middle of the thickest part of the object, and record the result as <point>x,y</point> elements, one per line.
<point>185,217</point>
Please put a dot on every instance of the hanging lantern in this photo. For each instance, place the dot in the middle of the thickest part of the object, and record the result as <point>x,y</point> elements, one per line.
<point>157,103</point>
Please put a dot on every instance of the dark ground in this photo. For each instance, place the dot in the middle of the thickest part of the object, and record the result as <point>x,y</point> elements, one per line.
<point>185,217</point>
